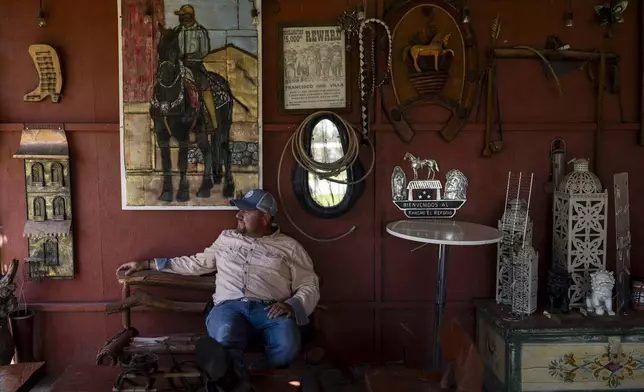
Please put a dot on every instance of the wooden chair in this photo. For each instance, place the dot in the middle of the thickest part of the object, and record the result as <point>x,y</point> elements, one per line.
<point>464,368</point>
<point>121,344</point>
<point>125,343</point>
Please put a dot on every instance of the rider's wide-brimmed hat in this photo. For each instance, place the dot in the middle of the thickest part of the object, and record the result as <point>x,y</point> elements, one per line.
<point>185,9</point>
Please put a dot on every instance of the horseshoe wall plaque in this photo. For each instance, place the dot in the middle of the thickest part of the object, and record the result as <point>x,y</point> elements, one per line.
<point>434,61</point>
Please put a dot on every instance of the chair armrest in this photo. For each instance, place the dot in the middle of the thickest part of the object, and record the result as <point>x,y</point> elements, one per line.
<point>166,279</point>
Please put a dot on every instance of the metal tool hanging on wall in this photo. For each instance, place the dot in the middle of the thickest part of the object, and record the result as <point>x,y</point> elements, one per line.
<point>493,138</point>
<point>356,24</point>
<point>557,161</point>
<point>557,280</point>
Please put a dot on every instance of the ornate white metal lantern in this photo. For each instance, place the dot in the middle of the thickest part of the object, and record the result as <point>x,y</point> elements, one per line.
<point>579,233</point>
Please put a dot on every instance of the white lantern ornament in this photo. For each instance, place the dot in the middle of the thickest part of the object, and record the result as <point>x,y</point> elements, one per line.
<point>580,225</point>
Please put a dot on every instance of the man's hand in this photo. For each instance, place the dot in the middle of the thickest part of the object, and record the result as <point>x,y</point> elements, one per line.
<point>279,309</point>
<point>133,266</point>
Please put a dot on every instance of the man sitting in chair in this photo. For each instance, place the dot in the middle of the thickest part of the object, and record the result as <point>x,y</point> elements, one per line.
<point>265,286</point>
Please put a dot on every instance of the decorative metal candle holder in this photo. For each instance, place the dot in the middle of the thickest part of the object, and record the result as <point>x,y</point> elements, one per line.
<point>580,225</point>
<point>422,198</point>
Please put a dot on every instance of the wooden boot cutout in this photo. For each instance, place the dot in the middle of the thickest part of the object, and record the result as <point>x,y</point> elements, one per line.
<point>50,75</point>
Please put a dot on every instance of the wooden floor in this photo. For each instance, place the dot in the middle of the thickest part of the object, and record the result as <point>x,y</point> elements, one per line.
<point>20,377</point>
<point>101,379</point>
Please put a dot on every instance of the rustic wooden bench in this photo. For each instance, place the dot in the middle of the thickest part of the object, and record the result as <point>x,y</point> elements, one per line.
<point>126,343</point>
<point>122,342</point>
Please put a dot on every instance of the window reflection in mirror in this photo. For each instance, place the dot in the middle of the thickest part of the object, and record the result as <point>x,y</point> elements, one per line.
<point>326,147</point>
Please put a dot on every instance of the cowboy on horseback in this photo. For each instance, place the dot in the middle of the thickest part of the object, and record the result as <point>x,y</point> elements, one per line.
<point>194,45</point>
<point>194,42</point>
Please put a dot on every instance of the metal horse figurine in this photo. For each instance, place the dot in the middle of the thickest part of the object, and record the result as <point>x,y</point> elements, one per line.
<point>436,48</point>
<point>177,109</point>
<point>417,163</point>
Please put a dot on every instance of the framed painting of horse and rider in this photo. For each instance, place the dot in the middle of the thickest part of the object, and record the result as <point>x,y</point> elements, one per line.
<point>190,91</point>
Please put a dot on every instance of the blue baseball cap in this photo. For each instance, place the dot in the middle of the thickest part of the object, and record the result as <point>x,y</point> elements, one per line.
<point>256,199</point>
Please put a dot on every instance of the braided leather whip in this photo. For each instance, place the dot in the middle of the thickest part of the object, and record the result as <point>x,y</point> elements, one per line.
<point>364,95</point>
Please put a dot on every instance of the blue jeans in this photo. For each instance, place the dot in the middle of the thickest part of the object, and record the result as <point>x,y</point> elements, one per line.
<point>237,323</point>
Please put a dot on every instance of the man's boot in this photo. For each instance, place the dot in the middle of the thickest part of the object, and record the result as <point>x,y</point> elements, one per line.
<point>222,373</point>
<point>212,358</point>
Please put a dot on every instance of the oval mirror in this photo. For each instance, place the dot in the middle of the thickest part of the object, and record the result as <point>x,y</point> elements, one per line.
<point>326,141</point>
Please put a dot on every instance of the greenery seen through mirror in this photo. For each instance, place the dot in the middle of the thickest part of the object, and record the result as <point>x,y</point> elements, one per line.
<point>326,147</point>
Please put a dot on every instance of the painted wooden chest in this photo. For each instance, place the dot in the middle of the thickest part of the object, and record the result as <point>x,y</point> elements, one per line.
<point>566,353</point>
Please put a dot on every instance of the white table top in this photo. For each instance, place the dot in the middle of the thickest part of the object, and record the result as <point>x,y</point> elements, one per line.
<point>444,232</point>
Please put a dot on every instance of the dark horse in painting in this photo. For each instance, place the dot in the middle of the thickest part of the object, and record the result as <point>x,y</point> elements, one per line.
<point>178,109</point>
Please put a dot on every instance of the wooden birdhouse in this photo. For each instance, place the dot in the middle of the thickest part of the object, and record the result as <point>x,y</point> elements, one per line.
<point>48,228</point>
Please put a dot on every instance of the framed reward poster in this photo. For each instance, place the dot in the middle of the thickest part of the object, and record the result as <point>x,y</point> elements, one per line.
<point>314,68</point>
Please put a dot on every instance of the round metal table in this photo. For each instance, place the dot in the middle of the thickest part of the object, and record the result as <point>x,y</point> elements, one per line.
<point>443,233</point>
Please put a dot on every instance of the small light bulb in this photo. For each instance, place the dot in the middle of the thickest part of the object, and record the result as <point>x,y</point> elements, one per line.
<point>41,18</point>
<point>361,12</point>
<point>569,19</point>
<point>466,15</point>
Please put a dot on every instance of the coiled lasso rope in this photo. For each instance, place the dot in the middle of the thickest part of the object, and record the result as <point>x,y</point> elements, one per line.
<point>324,170</point>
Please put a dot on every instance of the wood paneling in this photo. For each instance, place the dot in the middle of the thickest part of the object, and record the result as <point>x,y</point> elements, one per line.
<point>371,281</point>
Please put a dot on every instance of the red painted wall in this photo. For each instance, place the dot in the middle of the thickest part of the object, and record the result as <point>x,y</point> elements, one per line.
<point>372,282</point>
